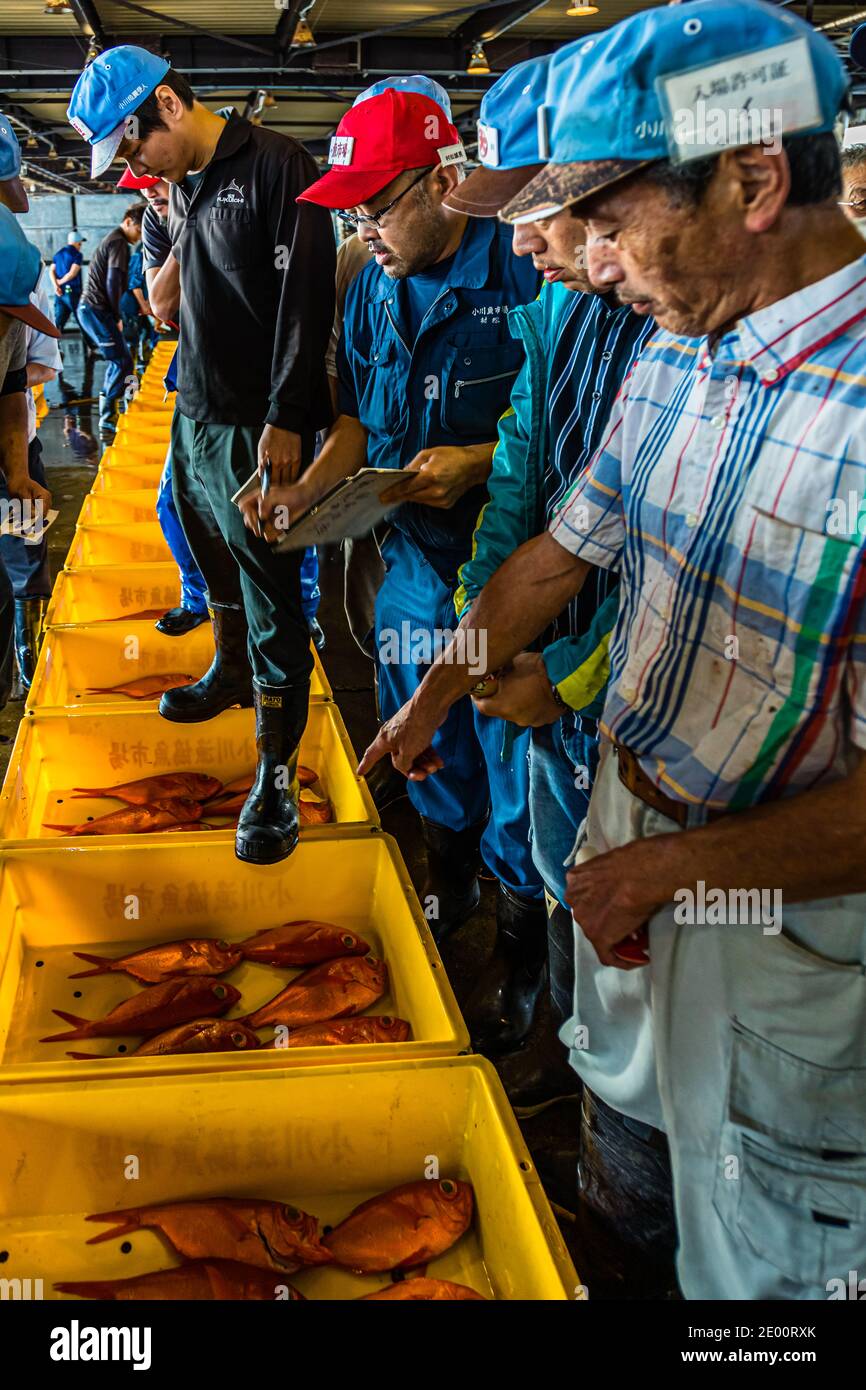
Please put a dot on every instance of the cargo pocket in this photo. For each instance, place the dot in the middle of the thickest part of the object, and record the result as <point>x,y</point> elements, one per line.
<point>797,1197</point>
<point>477,387</point>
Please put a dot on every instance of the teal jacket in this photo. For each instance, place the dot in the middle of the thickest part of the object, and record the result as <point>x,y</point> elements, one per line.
<point>577,666</point>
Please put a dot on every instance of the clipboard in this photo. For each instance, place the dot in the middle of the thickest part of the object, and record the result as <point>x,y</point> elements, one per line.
<point>32,532</point>
<point>350,508</point>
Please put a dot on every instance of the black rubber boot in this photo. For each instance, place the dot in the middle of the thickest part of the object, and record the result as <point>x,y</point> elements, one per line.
<point>500,1010</point>
<point>108,413</point>
<point>539,1074</point>
<point>177,622</point>
<point>228,680</point>
<point>29,617</point>
<point>268,825</point>
<point>450,894</point>
<point>317,635</point>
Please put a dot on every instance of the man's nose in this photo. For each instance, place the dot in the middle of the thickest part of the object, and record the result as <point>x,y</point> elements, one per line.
<point>526,240</point>
<point>602,265</point>
<point>368,233</point>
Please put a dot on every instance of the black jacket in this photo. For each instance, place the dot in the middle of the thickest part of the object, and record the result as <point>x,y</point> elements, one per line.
<point>257,285</point>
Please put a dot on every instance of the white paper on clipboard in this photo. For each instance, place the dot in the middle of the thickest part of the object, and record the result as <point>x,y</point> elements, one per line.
<point>30,532</point>
<point>351,508</point>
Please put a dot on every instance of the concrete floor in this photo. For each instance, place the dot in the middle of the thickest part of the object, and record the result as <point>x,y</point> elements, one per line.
<point>605,1266</point>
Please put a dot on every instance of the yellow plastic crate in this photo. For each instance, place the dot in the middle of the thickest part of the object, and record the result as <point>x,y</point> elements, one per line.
<point>54,753</point>
<point>54,901</point>
<point>121,506</point>
<point>117,544</point>
<point>321,1138</point>
<point>130,433</point>
<point>74,659</point>
<point>128,477</point>
<point>112,591</point>
<point>133,451</point>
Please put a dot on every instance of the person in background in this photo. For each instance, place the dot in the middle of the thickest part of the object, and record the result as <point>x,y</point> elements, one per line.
<point>256,305</point>
<point>20,268</point>
<point>139,330</point>
<point>67,278</point>
<point>854,183</point>
<point>410,398</point>
<point>100,316</point>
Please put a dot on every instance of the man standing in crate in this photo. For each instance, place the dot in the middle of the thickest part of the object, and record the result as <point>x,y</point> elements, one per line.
<point>256,308</point>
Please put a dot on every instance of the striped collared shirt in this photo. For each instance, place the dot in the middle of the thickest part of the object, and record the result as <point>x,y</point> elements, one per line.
<point>729,491</point>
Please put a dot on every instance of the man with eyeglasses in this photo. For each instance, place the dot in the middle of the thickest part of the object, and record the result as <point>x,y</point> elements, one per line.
<point>426,365</point>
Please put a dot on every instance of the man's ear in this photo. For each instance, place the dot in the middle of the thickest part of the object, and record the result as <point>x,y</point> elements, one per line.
<point>170,104</point>
<point>762,178</point>
<point>445,180</point>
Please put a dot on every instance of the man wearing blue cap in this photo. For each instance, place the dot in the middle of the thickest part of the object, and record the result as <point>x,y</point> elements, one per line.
<point>67,278</point>
<point>728,491</point>
<point>256,305</point>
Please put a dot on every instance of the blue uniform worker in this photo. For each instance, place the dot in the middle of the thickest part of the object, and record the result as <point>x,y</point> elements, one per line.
<point>426,361</point>
<point>68,286</point>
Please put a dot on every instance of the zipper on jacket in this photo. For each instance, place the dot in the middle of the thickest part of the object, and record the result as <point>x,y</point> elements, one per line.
<point>396,329</point>
<point>481,380</point>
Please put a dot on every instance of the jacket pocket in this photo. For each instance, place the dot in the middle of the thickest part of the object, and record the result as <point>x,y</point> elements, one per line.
<point>477,388</point>
<point>231,245</point>
<point>797,1196</point>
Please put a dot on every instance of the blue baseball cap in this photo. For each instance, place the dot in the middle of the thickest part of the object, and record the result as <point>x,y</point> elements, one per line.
<point>510,146</point>
<point>857,46</point>
<point>107,93</point>
<point>20,268</point>
<point>679,82</point>
<point>424,86</point>
<point>10,161</point>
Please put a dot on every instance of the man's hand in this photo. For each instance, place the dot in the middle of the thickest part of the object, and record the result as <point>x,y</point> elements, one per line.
<point>283,449</point>
<point>609,899</point>
<point>522,694</point>
<point>22,485</point>
<point>271,516</point>
<point>408,737</point>
<point>442,476</point>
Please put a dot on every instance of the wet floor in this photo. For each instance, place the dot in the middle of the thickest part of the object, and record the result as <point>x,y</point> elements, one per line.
<point>71,453</point>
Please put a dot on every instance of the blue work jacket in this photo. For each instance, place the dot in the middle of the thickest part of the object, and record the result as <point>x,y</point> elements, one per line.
<point>449,387</point>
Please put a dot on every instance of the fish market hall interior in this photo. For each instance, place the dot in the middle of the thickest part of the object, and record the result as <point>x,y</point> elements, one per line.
<point>432,631</point>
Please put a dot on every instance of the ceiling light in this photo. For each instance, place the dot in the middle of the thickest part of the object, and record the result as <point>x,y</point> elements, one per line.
<point>303,36</point>
<point>478,64</point>
<point>57,7</point>
<point>579,11</point>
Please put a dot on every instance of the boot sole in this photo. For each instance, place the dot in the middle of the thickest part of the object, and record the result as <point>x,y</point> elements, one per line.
<point>256,859</point>
<point>195,717</point>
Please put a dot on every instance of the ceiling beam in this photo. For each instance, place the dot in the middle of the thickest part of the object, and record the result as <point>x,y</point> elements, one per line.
<point>287,24</point>
<point>484,26</point>
<point>90,23</point>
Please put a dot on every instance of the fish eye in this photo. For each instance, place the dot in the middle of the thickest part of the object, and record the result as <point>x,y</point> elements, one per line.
<point>387,1021</point>
<point>347,940</point>
<point>291,1212</point>
<point>219,991</point>
<point>223,946</point>
<point>239,1039</point>
<point>447,1187</point>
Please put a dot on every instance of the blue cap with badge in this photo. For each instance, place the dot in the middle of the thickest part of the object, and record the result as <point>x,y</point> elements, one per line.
<point>107,93</point>
<point>679,82</point>
<point>511,147</point>
<point>20,268</point>
<point>423,86</point>
<point>10,162</point>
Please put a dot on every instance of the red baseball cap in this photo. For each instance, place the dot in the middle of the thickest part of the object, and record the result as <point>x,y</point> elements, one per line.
<point>129,180</point>
<point>378,140</point>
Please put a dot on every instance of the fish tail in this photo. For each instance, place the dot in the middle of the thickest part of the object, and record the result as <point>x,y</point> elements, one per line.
<point>103,963</point>
<point>81,1029</point>
<point>89,1288</point>
<point>127,1221</point>
<point>78,792</point>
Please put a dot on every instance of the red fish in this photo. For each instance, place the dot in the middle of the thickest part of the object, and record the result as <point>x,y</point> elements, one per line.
<point>333,990</point>
<point>205,1280</point>
<point>201,1035</point>
<point>430,1290</point>
<point>231,806</point>
<point>339,1032</point>
<point>315,812</point>
<point>404,1227</point>
<point>198,786</point>
<point>302,943</point>
<point>136,820</point>
<point>153,1009</point>
<point>270,1235</point>
<point>195,955</point>
<point>144,688</point>
<point>306,777</point>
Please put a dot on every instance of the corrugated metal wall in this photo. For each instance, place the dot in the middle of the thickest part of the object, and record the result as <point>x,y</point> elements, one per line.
<point>51,219</point>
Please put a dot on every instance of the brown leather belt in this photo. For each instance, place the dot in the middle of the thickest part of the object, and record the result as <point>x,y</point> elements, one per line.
<point>632,776</point>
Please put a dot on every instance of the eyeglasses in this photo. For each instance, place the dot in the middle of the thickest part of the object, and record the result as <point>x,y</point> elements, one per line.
<point>375,218</point>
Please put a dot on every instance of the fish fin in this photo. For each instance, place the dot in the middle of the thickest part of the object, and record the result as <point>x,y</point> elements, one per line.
<point>64,829</point>
<point>103,963</point>
<point>80,1024</point>
<point>86,1056</point>
<point>128,1222</point>
<point>89,1288</point>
